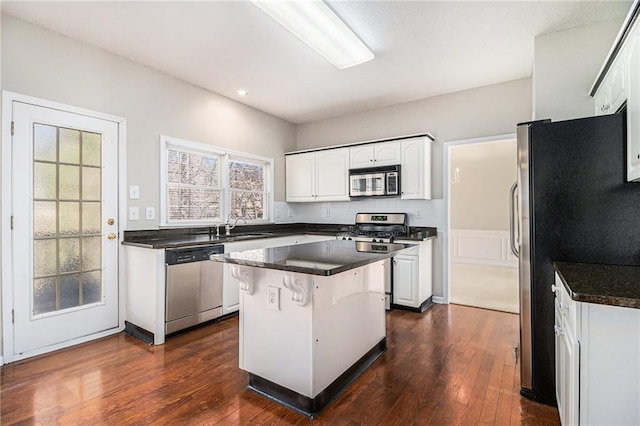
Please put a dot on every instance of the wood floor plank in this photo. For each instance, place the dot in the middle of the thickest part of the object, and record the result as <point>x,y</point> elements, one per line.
<point>449,365</point>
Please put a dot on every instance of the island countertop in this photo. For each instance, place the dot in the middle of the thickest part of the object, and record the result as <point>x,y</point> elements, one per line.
<point>319,258</point>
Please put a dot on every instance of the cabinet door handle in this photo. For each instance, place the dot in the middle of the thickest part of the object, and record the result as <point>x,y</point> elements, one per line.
<point>554,288</point>
<point>604,108</point>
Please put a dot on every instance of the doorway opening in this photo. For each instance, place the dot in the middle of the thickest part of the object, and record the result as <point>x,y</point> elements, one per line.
<point>483,272</point>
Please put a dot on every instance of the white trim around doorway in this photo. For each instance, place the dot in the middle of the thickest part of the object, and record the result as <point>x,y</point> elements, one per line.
<point>6,254</point>
<point>447,201</point>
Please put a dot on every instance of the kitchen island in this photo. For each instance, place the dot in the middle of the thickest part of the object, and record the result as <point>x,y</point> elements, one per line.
<point>312,317</point>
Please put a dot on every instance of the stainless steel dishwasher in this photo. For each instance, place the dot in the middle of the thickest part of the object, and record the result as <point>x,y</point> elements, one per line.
<point>193,286</point>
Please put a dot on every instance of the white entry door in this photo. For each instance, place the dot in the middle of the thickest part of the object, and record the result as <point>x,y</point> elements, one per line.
<point>65,227</point>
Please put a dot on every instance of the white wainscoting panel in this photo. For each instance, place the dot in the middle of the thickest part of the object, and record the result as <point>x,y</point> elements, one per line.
<point>478,247</point>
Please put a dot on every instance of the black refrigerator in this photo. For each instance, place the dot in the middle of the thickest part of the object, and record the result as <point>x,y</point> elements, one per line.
<point>571,203</point>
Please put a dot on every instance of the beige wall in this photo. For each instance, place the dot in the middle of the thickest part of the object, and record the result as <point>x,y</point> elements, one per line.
<point>479,198</point>
<point>485,111</point>
<point>566,65</point>
<point>44,64</point>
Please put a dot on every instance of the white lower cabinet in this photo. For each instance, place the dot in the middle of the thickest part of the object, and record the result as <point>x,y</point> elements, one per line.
<point>230,291</point>
<point>567,370</point>
<point>597,362</point>
<point>412,275</point>
<point>405,279</point>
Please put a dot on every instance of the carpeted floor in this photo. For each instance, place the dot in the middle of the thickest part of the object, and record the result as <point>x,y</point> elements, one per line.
<point>489,287</point>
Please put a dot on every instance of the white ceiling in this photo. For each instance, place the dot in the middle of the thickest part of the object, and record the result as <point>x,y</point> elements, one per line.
<point>422,48</point>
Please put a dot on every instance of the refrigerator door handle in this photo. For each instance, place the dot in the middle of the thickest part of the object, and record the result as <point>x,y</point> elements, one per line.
<point>513,218</point>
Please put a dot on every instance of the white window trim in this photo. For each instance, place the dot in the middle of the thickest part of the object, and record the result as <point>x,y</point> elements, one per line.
<point>168,141</point>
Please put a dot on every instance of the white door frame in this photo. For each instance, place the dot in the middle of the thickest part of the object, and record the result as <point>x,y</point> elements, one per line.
<point>6,252</point>
<point>447,201</point>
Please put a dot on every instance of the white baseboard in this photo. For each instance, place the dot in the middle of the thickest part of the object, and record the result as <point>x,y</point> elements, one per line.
<point>439,300</point>
<point>476,247</point>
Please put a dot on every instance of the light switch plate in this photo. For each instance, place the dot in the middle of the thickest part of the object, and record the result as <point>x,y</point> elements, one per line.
<point>134,213</point>
<point>134,192</point>
<point>150,213</point>
<point>274,298</point>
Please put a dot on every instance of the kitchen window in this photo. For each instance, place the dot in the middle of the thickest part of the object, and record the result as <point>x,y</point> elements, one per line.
<point>203,184</point>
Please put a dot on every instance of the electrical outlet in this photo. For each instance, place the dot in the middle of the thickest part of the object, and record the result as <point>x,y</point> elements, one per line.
<point>290,213</point>
<point>419,213</point>
<point>274,298</point>
<point>278,213</point>
<point>134,213</point>
<point>134,192</point>
<point>150,213</point>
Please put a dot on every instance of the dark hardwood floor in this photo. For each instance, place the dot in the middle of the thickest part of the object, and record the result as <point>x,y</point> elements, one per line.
<point>451,365</point>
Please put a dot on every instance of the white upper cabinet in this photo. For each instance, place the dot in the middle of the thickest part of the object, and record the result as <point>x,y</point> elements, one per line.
<point>323,175</point>
<point>387,153</point>
<point>300,179</point>
<point>633,107</point>
<point>612,92</point>
<point>415,169</point>
<point>375,154</point>
<point>622,83</point>
<point>318,176</point>
<point>361,156</point>
<point>332,175</point>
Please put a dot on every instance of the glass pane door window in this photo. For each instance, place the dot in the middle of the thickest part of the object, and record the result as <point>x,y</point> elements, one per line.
<point>67,206</point>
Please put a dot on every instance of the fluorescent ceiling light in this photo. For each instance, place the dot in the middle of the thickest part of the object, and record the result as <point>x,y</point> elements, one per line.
<point>314,23</point>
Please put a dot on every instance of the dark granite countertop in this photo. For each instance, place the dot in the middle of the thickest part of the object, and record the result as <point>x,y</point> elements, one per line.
<point>319,258</point>
<point>602,284</point>
<point>183,237</point>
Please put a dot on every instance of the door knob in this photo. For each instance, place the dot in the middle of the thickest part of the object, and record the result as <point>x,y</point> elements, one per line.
<point>110,221</point>
<point>111,236</point>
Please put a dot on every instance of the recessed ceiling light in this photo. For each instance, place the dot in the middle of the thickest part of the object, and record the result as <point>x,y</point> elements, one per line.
<point>242,92</point>
<point>314,23</point>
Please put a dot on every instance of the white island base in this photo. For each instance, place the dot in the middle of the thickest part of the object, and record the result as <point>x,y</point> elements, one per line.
<point>304,338</point>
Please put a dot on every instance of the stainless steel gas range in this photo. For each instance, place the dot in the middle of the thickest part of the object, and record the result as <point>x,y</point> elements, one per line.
<point>376,232</point>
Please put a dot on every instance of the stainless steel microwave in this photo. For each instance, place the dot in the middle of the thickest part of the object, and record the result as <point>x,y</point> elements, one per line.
<point>374,181</point>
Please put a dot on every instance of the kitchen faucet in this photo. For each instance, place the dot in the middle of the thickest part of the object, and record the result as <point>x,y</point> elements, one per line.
<point>228,227</point>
